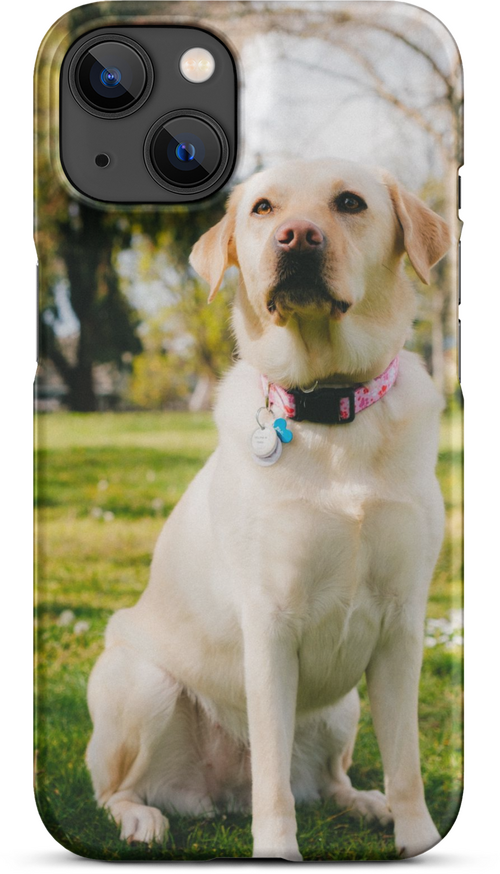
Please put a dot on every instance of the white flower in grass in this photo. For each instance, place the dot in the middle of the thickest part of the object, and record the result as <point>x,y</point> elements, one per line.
<point>81,627</point>
<point>99,513</point>
<point>443,631</point>
<point>66,618</point>
<point>150,476</point>
<point>102,485</point>
<point>157,504</point>
<point>434,623</point>
<point>454,643</point>
<point>457,619</point>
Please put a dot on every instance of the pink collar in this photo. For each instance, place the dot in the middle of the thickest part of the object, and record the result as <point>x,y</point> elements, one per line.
<point>327,405</point>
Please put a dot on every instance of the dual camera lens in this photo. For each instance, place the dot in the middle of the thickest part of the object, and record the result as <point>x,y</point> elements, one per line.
<point>113,77</point>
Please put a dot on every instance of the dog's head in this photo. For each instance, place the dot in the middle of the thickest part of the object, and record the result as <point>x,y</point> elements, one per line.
<point>319,246</point>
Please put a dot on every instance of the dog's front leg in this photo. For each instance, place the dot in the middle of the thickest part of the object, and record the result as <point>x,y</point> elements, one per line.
<point>393,679</point>
<point>271,678</point>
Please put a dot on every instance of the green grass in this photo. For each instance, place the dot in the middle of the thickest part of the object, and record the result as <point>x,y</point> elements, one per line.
<point>105,484</point>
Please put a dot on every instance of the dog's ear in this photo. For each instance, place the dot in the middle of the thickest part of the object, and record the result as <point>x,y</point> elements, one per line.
<point>215,251</point>
<point>426,236</point>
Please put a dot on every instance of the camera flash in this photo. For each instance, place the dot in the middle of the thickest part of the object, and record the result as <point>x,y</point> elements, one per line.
<point>197,65</point>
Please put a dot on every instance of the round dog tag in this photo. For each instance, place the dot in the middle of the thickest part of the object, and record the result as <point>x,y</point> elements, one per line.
<point>264,441</point>
<point>267,460</point>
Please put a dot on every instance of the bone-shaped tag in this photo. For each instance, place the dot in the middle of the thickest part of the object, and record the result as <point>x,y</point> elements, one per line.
<point>284,433</point>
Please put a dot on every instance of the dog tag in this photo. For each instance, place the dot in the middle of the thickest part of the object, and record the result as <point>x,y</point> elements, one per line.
<point>267,460</point>
<point>283,432</point>
<point>266,446</point>
<point>264,441</point>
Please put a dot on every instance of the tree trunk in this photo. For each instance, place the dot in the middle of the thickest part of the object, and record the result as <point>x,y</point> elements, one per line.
<point>81,397</point>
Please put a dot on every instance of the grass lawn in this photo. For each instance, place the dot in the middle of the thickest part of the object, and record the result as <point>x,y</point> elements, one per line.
<point>106,482</point>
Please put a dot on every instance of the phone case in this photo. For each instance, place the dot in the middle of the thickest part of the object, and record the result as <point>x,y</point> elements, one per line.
<point>255,690</point>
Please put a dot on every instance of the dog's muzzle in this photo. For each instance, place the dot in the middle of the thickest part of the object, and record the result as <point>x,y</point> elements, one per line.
<point>300,285</point>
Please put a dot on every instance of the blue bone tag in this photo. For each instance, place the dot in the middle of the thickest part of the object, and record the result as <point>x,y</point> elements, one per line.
<point>284,433</point>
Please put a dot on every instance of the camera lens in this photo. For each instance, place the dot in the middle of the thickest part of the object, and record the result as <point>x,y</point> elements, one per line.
<point>111,75</point>
<point>187,150</point>
<point>110,78</point>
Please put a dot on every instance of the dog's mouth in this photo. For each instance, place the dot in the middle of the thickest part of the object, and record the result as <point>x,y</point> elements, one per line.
<point>301,288</point>
<point>281,306</point>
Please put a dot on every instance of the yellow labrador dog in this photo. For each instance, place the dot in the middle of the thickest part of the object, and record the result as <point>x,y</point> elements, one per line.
<point>285,573</point>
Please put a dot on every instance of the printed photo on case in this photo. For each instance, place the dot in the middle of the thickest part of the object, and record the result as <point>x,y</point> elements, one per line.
<point>248,417</point>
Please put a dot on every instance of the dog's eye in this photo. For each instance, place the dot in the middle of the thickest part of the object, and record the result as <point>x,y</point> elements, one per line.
<point>262,207</point>
<point>348,202</point>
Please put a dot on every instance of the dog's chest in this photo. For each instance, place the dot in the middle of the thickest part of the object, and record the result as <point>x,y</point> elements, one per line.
<point>348,535</point>
<point>339,599</point>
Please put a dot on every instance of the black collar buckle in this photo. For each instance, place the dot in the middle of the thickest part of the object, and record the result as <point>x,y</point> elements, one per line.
<point>322,405</point>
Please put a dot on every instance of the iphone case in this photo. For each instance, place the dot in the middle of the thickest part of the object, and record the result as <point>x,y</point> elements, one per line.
<point>302,550</point>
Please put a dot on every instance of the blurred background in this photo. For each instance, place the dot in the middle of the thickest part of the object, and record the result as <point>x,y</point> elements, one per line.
<point>123,321</point>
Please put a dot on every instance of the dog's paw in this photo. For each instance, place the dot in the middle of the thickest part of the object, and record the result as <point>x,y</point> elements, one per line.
<point>275,838</point>
<point>415,836</point>
<point>370,805</point>
<point>290,854</point>
<point>144,824</point>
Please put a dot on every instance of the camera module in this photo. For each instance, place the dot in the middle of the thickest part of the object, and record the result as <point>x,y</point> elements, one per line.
<point>111,76</point>
<point>186,150</point>
<point>139,123</point>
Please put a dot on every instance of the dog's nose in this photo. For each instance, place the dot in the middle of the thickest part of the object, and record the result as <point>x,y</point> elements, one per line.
<point>299,236</point>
